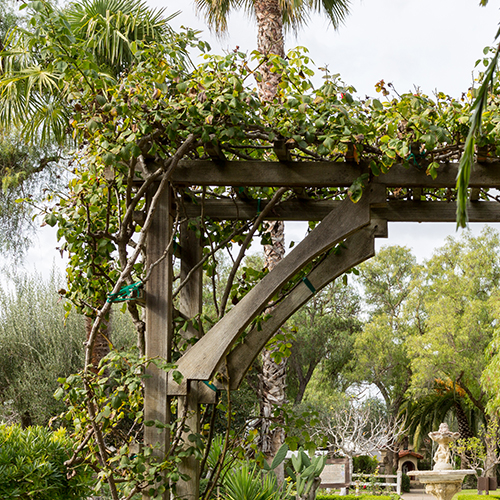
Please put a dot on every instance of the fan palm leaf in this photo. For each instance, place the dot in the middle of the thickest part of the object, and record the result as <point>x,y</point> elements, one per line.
<point>33,95</point>
<point>108,27</point>
<point>295,13</point>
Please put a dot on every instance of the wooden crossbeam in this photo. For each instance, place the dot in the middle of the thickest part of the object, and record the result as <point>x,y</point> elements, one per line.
<point>323,174</point>
<point>474,194</point>
<point>358,248</point>
<point>307,210</point>
<point>202,360</point>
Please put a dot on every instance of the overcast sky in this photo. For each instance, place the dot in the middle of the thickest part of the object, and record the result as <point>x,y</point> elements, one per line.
<point>430,44</point>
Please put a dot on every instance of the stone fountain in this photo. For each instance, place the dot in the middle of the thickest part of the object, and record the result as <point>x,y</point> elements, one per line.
<point>442,481</point>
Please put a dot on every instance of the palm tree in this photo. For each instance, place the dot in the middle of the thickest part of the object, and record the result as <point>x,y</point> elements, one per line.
<point>273,18</point>
<point>33,94</point>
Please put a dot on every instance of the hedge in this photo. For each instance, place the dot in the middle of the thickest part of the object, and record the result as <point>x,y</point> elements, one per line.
<point>363,496</point>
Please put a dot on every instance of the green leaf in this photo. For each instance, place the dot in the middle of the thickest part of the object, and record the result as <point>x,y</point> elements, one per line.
<point>374,168</point>
<point>177,376</point>
<point>51,219</point>
<point>432,169</point>
<point>280,456</point>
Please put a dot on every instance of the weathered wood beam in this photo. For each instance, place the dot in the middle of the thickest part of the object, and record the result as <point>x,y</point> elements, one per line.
<point>359,247</point>
<point>474,194</point>
<point>159,331</point>
<point>323,174</point>
<point>281,151</point>
<point>190,306</point>
<point>202,360</point>
<point>306,210</point>
<point>215,152</point>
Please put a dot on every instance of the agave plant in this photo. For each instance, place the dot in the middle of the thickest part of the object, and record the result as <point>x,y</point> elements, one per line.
<point>252,483</point>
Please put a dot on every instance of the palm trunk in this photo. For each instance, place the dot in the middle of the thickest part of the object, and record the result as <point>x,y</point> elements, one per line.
<point>272,383</point>
<point>269,41</point>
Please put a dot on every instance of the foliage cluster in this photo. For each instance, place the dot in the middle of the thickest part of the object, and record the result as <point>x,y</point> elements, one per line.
<point>106,411</point>
<point>33,465</point>
<point>37,345</point>
<point>405,483</point>
<point>364,464</point>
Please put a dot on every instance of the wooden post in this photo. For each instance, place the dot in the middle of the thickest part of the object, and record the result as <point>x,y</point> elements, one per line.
<point>190,305</point>
<point>159,330</point>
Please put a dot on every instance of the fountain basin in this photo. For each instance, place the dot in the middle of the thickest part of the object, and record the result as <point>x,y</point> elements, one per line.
<point>442,484</point>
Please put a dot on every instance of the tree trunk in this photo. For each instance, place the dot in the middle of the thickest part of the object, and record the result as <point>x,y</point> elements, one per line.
<point>462,421</point>
<point>269,41</point>
<point>272,383</point>
<point>491,442</point>
<point>101,344</point>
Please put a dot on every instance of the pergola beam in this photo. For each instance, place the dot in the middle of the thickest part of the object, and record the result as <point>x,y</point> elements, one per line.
<point>357,248</point>
<point>203,359</point>
<point>323,174</point>
<point>307,210</point>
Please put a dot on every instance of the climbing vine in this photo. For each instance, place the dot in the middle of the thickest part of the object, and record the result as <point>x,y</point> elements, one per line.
<point>133,130</point>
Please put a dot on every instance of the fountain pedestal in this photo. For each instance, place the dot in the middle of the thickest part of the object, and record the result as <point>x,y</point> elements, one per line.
<point>442,482</point>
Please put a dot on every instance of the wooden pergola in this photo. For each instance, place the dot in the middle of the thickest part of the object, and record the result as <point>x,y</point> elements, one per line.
<point>218,357</point>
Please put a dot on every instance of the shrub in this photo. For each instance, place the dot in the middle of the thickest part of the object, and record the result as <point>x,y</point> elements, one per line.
<point>250,483</point>
<point>38,345</point>
<point>364,464</point>
<point>32,465</point>
<point>405,483</point>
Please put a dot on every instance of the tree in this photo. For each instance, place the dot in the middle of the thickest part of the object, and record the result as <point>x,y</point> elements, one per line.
<point>323,335</point>
<point>39,344</point>
<point>460,294</point>
<point>271,16</point>
<point>358,429</point>
<point>33,98</point>
<point>37,104</point>
<point>380,350</point>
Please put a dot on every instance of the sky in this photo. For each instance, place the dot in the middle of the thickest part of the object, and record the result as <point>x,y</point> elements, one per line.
<point>429,44</point>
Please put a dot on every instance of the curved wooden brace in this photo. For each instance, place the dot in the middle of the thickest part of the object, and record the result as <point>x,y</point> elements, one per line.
<point>202,360</point>
<point>359,247</point>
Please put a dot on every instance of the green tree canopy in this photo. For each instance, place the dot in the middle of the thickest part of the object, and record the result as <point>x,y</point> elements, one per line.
<point>323,336</point>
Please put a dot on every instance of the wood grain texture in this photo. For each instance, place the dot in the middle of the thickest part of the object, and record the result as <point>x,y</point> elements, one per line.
<point>323,174</point>
<point>306,210</point>
<point>201,361</point>
<point>190,306</point>
<point>158,327</point>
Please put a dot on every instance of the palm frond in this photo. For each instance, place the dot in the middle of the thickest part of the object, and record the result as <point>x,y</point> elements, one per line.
<point>217,12</point>
<point>296,13</point>
<point>108,27</point>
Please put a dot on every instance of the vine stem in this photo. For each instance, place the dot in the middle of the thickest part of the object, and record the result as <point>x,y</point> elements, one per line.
<point>140,245</point>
